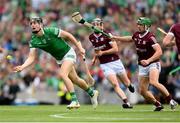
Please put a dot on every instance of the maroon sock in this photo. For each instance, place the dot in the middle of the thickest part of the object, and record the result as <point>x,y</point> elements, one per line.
<point>168,98</point>
<point>125,100</point>
<point>157,103</point>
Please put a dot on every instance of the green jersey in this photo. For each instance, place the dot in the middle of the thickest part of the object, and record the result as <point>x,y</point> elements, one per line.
<point>50,42</point>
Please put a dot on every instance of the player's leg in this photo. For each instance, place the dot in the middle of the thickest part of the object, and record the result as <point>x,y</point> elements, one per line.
<point>82,84</point>
<point>114,81</point>
<point>153,78</point>
<point>124,78</point>
<point>110,71</point>
<point>65,69</point>
<point>118,67</point>
<point>143,89</point>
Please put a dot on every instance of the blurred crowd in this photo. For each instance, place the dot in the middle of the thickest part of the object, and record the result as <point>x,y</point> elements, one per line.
<point>119,17</point>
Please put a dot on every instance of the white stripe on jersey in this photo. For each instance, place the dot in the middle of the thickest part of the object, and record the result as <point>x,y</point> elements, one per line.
<point>59,35</point>
<point>154,39</point>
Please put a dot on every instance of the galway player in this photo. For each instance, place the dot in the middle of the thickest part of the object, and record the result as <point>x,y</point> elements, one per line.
<point>174,32</point>
<point>106,51</point>
<point>54,41</point>
<point>149,52</point>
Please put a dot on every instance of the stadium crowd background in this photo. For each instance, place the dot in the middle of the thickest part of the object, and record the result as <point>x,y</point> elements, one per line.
<point>119,17</point>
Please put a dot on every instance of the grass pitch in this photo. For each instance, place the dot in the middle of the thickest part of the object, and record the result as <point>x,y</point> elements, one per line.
<point>104,113</point>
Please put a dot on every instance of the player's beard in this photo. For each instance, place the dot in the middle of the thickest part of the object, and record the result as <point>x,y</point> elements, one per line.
<point>146,29</point>
<point>142,32</point>
<point>35,32</point>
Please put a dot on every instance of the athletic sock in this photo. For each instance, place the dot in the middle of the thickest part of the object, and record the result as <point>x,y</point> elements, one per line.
<point>125,100</point>
<point>168,98</point>
<point>90,92</point>
<point>130,86</point>
<point>73,96</point>
<point>157,103</point>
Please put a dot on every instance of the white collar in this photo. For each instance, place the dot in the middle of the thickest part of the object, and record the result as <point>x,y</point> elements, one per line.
<point>141,36</point>
<point>97,36</point>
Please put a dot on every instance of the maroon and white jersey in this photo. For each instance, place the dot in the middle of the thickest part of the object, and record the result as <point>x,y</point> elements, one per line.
<point>101,42</point>
<point>175,31</point>
<point>144,45</point>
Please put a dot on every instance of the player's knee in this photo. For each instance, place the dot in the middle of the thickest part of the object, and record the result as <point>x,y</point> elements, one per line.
<point>115,85</point>
<point>62,75</point>
<point>77,79</point>
<point>153,83</point>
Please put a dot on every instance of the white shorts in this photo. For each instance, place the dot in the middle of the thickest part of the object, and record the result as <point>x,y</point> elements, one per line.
<point>115,67</point>
<point>70,55</point>
<point>144,71</point>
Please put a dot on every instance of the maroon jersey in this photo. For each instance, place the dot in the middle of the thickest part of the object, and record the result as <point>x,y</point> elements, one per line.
<point>144,45</point>
<point>101,42</point>
<point>175,29</point>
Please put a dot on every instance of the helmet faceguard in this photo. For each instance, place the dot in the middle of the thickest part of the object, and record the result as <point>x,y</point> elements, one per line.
<point>36,19</point>
<point>99,22</point>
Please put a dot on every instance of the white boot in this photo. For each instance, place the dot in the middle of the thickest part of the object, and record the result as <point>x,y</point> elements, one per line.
<point>173,104</point>
<point>73,104</point>
<point>94,100</point>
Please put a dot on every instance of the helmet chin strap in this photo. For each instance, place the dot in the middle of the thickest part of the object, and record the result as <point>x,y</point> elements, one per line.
<point>142,34</point>
<point>146,29</point>
<point>35,32</point>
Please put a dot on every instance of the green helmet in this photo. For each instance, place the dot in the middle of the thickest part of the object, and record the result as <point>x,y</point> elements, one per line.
<point>144,21</point>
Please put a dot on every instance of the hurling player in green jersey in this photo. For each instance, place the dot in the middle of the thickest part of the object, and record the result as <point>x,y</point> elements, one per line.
<point>54,41</point>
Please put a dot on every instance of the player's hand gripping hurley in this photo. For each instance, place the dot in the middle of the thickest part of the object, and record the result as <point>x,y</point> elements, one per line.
<point>76,17</point>
<point>177,68</point>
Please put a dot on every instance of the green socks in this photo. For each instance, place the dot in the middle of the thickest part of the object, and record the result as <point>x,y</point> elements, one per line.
<point>73,96</point>
<point>90,92</point>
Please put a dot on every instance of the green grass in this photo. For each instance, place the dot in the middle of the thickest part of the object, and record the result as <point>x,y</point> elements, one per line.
<point>104,113</point>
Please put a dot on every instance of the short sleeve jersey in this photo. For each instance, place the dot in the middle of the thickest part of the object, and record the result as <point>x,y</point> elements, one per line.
<point>144,45</point>
<point>50,42</point>
<point>175,31</point>
<point>103,43</point>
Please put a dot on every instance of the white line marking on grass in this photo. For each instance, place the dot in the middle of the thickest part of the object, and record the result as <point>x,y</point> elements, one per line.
<point>109,118</point>
<point>57,115</point>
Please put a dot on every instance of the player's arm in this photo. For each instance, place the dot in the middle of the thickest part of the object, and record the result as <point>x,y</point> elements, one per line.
<point>1,50</point>
<point>70,37</point>
<point>157,54</point>
<point>114,49</point>
<point>122,38</point>
<point>28,62</point>
<point>169,40</point>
